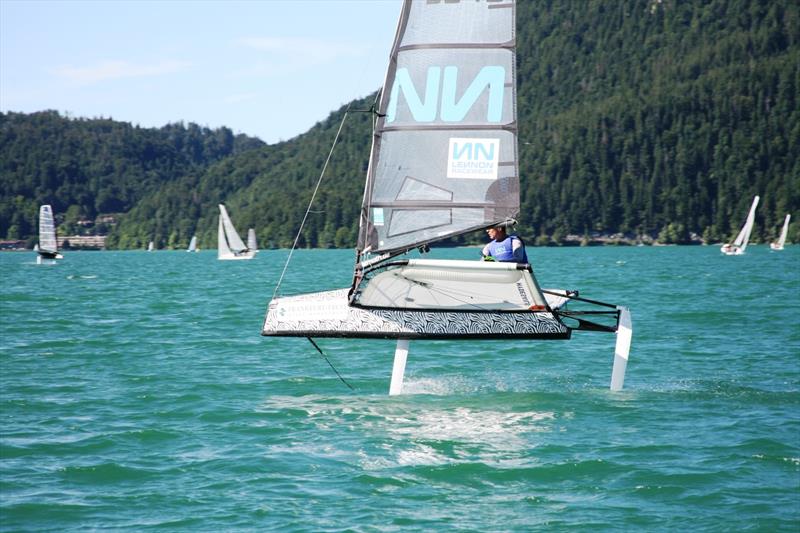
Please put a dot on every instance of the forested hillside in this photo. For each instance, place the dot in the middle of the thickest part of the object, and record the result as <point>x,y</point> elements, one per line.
<point>86,168</point>
<point>660,115</point>
<point>659,118</point>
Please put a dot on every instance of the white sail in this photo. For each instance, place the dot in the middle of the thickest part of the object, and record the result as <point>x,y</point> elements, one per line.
<point>192,244</point>
<point>47,230</point>
<point>782,239</point>
<point>230,245</point>
<point>251,240</point>
<point>223,250</point>
<point>739,244</point>
<point>151,246</point>
<point>444,153</point>
<point>48,244</point>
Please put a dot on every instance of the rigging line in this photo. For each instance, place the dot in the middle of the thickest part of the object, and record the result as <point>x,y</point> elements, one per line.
<point>329,362</point>
<point>367,201</point>
<point>452,293</point>
<point>310,203</point>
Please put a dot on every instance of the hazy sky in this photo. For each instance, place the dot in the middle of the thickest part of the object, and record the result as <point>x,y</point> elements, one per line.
<point>267,68</point>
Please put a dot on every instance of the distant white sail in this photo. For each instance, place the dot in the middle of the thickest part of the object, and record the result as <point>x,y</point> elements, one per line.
<point>47,230</point>
<point>48,245</point>
<point>251,240</point>
<point>150,247</point>
<point>193,244</point>
<point>739,244</point>
<point>230,245</point>
<point>777,246</point>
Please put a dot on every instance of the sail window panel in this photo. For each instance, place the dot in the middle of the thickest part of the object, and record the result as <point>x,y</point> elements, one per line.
<point>460,87</point>
<point>408,227</point>
<point>413,189</point>
<point>472,22</point>
<point>404,221</point>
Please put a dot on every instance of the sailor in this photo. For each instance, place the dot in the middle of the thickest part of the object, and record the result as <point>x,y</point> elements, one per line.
<point>504,247</point>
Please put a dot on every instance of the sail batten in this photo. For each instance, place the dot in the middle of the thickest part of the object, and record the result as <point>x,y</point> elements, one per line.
<point>511,128</point>
<point>455,46</point>
<point>446,128</point>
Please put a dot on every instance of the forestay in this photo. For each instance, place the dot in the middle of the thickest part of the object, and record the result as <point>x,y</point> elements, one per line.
<point>444,153</point>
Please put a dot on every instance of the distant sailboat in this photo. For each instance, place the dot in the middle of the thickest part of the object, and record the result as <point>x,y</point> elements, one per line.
<point>778,246</point>
<point>435,173</point>
<point>192,244</point>
<point>251,240</point>
<point>230,245</point>
<point>48,245</point>
<point>739,244</point>
<point>151,247</point>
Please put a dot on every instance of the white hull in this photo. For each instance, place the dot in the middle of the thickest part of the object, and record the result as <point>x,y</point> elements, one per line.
<point>232,257</point>
<point>329,314</point>
<point>42,260</point>
<point>775,246</point>
<point>728,249</point>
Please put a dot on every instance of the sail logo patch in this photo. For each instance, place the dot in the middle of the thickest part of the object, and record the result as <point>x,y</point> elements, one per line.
<point>440,97</point>
<point>473,158</point>
<point>305,310</point>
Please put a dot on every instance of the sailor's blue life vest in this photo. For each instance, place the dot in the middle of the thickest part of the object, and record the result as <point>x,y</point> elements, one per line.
<point>504,250</point>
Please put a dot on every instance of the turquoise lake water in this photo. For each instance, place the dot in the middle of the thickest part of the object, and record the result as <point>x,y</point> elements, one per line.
<point>137,394</point>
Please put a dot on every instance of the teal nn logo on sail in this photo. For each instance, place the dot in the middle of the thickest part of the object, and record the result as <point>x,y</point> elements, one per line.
<point>473,158</point>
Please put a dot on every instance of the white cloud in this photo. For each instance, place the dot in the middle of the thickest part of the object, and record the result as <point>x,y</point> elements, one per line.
<point>113,70</point>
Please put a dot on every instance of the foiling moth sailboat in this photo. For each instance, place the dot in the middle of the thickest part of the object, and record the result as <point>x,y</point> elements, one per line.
<point>443,163</point>
<point>230,245</point>
<point>739,244</point>
<point>48,245</point>
<point>778,246</point>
